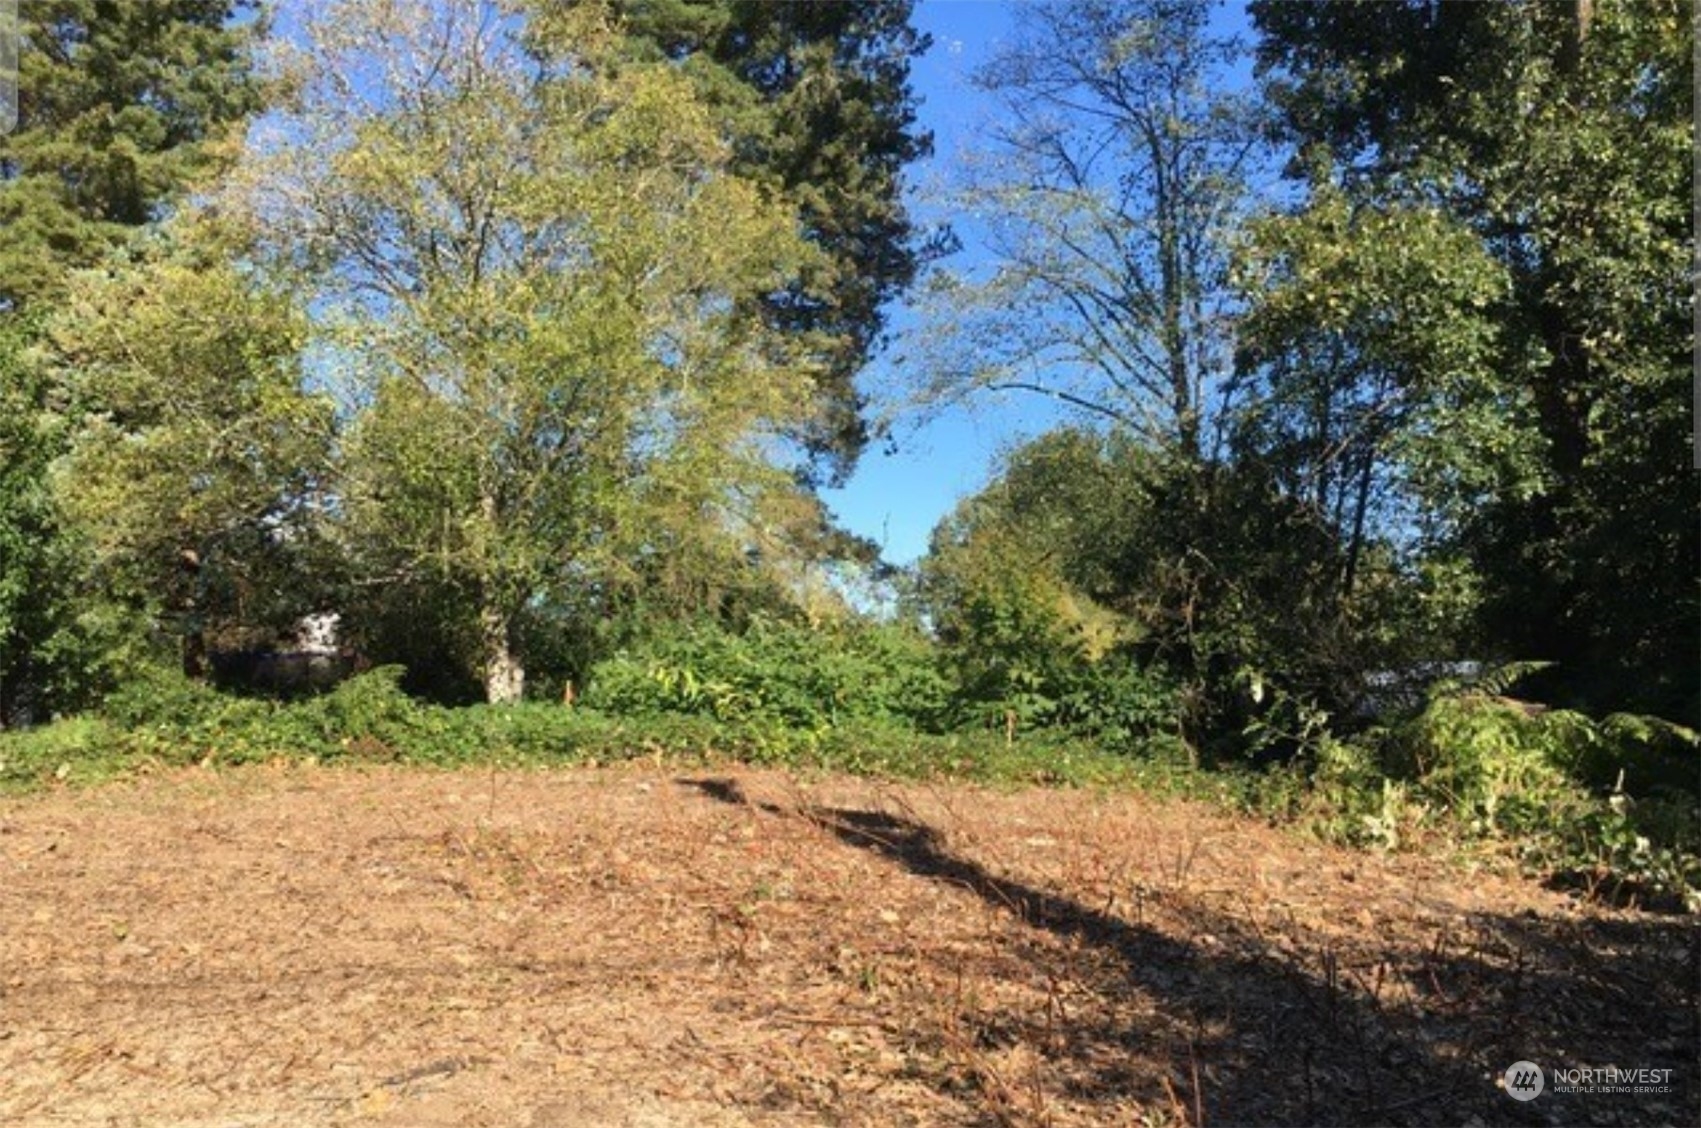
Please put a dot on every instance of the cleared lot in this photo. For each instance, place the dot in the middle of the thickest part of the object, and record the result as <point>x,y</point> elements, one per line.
<point>651,946</point>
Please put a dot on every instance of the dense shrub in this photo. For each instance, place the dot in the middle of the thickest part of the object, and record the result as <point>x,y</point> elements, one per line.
<point>64,750</point>
<point>779,678</point>
<point>168,720</point>
<point>777,674</point>
<point>165,718</point>
<point>1613,804</point>
<point>1120,702</point>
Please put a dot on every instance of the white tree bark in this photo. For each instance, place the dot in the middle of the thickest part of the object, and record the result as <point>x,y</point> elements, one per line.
<point>504,673</point>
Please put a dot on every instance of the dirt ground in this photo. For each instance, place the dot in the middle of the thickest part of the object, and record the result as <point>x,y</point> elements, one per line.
<point>660,946</point>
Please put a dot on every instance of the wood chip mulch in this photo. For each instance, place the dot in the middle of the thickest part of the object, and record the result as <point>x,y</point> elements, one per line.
<point>647,945</point>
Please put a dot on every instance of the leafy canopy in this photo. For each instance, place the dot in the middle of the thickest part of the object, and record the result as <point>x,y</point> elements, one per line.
<point>532,276</point>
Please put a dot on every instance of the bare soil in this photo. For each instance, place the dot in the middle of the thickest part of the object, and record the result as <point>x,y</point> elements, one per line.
<point>659,946</point>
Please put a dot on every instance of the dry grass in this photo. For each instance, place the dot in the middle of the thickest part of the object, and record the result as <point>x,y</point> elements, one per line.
<point>642,947</point>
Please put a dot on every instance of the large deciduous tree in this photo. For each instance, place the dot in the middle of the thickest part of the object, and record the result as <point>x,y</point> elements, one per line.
<point>1113,181</point>
<point>1370,352</point>
<point>1119,175</point>
<point>532,273</point>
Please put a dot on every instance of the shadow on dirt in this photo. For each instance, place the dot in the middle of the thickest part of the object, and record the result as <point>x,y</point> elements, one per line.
<point>1254,1027</point>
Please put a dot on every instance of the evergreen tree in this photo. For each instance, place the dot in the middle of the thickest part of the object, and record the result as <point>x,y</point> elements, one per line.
<point>119,107</point>
<point>816,98</point>
<point>194,469</point>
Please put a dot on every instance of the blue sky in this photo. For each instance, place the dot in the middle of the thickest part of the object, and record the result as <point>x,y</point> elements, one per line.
<point>896,498</point>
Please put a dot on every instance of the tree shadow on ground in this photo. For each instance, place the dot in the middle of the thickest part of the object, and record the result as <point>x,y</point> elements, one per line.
<point>1216,1017</point>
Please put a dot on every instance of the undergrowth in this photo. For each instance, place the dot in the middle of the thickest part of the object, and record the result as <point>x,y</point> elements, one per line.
<point>1610,806</point>
<point>167,720</point>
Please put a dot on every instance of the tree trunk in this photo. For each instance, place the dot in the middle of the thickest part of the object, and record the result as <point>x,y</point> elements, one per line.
<point>1355,544</point>
<point>194,653</point>
<point>194,643</point>
<point>1576,35</point>
<point>504,673</point>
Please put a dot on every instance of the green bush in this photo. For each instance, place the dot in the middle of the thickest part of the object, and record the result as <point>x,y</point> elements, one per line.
<point>1641,755</point>
<point>1018,662</point>
<point>1613,799</point>
<point>776,675</point>
<point>367,715</point>
<point>786,689</point>
<point>161,697</point>
<point>65,750</point>
<point>1486,762</point>
<point>164,718</point>
<point>1119,702</point>
<point>162,715</point>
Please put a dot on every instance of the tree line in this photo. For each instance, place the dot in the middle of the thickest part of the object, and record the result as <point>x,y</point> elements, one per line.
<point>522,335</point>
<point>1379,362</point>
